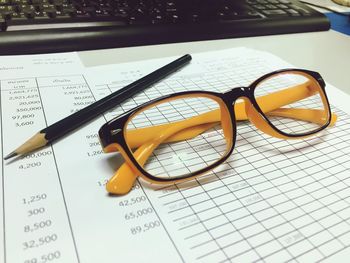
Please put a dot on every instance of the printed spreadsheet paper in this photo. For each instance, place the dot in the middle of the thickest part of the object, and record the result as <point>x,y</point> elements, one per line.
<point>272,201</point>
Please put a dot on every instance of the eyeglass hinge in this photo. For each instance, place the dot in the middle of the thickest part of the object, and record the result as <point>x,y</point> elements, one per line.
<point>116,131</point>
<point>320,80</point>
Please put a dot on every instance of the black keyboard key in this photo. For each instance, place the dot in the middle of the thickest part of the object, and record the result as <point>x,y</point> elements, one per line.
<point>292,12</point>
<point>271,6</point>
<point>282,6</point>
<point>82,14</point>
<point>19,2</point>
<point>48,8</point>
<point>62,17</point>
<point>68,8</point>
<point>57,2</point>
<point>88,9</point>
<point>18,19</point>
<point>102,13</point>
<point>301,10</point>
<point>274,12</point>
<point>5,2</point>
<point>26,8</point>
<point>157,19</point>
<point>2,24</point>
<point>4,9</point>
<point>260,7</point>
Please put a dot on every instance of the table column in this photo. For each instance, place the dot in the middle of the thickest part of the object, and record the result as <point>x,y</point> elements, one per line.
<point>37,227</point>
<point>107,228</point>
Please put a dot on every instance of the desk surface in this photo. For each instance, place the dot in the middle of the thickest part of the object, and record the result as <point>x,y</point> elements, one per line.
<point>325,52</point>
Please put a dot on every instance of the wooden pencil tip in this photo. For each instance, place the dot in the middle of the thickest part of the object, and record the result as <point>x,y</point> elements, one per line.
<point>12,154</point>
<point>33,143</point>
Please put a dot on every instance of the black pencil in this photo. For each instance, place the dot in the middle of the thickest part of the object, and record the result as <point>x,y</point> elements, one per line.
<point>72,122</point>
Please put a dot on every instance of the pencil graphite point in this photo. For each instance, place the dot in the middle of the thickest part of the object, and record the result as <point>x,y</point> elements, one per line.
<point>33,143</point>
<point>10,155</point>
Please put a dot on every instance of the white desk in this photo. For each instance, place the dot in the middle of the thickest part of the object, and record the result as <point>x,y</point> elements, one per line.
<point>325,52</point>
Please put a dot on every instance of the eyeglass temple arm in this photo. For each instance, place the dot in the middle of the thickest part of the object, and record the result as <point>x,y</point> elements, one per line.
<point>310,115</point>
<point>270,105</point>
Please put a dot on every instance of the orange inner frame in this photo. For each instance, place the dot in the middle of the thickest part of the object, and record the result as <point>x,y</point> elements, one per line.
<point>145,140</point>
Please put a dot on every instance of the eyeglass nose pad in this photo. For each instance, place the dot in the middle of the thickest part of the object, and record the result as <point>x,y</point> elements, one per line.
<point>255,117</point>
<point>122,181</point>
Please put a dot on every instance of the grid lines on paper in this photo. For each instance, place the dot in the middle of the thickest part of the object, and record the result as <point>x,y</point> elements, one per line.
<point>299,240</point>
<point>272,199</point>
<point>305,219</point>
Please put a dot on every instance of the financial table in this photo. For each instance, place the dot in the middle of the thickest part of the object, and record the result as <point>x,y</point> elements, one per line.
<point>271,199</point>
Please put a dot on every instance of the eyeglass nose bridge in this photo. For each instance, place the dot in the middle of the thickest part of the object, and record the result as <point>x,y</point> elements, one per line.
<point>232,95</point>
<point>248,110</point>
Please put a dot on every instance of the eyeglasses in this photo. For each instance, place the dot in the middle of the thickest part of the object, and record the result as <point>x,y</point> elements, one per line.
<point>180,136</point>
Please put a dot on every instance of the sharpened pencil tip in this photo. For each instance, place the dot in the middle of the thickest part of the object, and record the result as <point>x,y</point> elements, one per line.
<point>13,154</point>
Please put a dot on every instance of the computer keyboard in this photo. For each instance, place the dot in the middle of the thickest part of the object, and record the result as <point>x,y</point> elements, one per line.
<point>36,26</point>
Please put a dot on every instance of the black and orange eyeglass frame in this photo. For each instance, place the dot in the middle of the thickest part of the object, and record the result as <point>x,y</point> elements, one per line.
<point>242,103</point>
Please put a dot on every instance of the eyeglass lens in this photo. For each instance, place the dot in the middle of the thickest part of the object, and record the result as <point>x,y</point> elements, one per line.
<point>202,147</point>
<point>309,102</point>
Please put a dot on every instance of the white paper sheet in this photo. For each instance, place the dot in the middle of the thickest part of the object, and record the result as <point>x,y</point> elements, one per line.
<point>273,200</point>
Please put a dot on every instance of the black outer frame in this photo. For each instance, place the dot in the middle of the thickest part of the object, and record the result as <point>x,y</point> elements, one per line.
<point>113,130</point>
